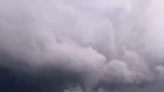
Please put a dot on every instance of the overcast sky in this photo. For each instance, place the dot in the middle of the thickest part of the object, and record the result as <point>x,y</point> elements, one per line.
<point>115,44</point>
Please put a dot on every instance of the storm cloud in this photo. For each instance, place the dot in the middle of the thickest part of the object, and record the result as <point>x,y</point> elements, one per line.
<point>95,43</point>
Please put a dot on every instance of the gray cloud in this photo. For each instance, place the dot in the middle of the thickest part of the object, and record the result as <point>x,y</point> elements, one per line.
<point>117,41</point>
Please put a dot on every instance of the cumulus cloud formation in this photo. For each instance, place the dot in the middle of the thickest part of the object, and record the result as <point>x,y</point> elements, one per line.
<point>96,41</point>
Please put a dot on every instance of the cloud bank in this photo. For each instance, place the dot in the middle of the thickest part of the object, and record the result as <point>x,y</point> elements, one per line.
<point>92,42</point>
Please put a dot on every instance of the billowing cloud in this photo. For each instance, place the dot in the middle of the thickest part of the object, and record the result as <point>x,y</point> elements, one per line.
<point>90,42</point>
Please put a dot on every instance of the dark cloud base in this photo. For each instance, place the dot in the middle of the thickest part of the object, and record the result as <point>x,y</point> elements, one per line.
<point>12,80</point>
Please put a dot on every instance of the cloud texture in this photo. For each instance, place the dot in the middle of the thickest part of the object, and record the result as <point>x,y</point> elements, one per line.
<point>98,41</point>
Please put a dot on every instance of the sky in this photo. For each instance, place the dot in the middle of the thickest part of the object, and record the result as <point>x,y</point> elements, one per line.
<point>113,44</point>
